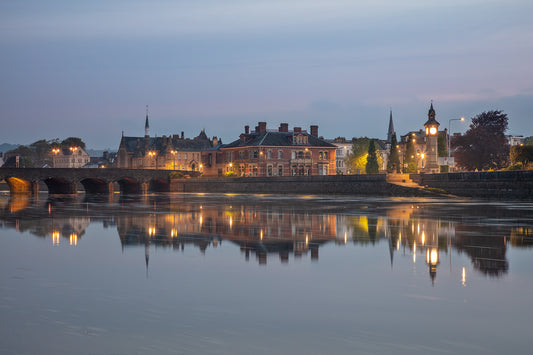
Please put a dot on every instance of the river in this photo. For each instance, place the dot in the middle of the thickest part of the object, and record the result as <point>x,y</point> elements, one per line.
<point>264,274</point>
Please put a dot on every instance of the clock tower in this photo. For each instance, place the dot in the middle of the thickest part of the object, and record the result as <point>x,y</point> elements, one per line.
<point>432,133</point>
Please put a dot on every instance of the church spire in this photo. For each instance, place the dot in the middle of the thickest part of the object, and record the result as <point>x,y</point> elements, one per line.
<point>391,128</point>
<point>146,125</point>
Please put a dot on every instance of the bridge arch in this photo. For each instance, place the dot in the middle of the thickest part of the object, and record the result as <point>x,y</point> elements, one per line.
<point>96,186</point>
<point>159,185</point>
<point>57,185</point>
<point>129,186</point>
<point>18,185</point>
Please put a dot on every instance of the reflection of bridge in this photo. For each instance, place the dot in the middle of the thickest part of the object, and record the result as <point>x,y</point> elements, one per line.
<point>68,180</point>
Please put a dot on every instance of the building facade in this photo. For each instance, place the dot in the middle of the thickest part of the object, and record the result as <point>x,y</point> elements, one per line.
<point>71,157</point>
<point>278,152</point>
<point>170,153</point>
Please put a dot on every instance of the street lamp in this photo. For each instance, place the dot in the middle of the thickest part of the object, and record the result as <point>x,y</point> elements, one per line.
<point>174,162</point>
<point>450,132</point>
<point>153,154</point>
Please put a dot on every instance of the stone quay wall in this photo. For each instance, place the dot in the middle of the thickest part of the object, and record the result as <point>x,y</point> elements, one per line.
<point>491,184</point>
<point>375,185</point>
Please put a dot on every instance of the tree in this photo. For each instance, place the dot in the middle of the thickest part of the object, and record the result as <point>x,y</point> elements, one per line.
<point>484,146</point>
<point>356,159</point>
<point>372,166</point>
<point>393,164</point>
<point>521,155</point>
<point>410,156</point>
<point>72,142</point>
<point>442,150</point>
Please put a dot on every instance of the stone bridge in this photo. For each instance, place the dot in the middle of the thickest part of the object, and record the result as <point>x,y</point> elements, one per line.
<point>94,181</point>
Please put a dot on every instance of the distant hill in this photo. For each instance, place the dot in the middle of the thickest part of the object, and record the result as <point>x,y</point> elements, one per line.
<point>4,147</point>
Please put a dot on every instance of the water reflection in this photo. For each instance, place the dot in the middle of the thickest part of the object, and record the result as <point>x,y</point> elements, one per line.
<point>269,227</point>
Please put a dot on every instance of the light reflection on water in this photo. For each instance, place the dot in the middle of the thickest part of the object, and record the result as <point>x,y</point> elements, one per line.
<point>165,274</point>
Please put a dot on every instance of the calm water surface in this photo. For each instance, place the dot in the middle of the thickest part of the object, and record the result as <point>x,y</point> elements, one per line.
<point>243,274</point>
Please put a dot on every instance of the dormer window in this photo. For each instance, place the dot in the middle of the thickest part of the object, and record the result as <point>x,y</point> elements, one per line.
<point>300,139</point>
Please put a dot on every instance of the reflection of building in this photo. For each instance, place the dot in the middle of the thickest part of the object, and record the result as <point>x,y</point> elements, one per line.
<point>282,229</point>
<point>278,152</point>
<point>253,229</point>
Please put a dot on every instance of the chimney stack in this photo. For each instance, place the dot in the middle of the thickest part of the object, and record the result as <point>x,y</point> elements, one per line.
<point>182,135</point>
<point>284,127</point>
<point>246,129</point>
<point>314,130</point>
<point>297,129</point>
<point>262,127</point>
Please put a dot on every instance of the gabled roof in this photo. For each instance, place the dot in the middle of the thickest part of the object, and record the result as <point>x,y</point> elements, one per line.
<point>276,139</point>
<point>138,146</point>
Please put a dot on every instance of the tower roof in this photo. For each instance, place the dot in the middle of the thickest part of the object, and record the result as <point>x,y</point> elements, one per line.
<point>391,128</point>
<point>431,117</point>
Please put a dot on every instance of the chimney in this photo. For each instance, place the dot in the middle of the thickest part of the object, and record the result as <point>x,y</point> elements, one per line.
<point>182,135</point>
<point>314,130</point>
<point>284,127</point>
<point>297,129</point>
<point>262,127</point>
<point>246,129</point>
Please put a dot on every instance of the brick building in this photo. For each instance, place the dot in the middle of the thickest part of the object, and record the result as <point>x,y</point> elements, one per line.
<point>274,152</point>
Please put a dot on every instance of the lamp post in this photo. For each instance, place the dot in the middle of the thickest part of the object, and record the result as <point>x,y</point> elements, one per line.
<point>54,158</point>
<point>174,160</point>
<point>153,154</point>
<point>450,132</point>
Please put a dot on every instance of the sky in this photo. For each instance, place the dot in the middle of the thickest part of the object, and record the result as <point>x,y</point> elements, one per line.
<point>89,68</point>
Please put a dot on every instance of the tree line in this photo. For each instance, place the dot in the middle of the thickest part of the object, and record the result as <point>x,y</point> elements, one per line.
<point>484,146</point>
<point>37,153</point>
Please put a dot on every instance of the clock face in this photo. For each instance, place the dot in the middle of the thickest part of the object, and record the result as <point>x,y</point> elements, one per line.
<point>432,130</point>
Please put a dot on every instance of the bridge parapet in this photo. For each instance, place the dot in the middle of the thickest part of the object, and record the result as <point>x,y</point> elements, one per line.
<point>94,180</point>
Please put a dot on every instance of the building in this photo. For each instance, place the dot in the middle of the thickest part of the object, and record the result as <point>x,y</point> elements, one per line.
<point>344,147</point>
<point>277,152</point>
<point>426,145</point>
<point>515,140</point>
<point>171,153</point>
<point>68,157</point>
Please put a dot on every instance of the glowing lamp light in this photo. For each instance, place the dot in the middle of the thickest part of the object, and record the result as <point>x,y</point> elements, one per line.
<point>432,130</point>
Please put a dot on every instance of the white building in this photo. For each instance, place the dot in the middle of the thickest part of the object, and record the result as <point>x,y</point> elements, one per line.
<point>72,157</point>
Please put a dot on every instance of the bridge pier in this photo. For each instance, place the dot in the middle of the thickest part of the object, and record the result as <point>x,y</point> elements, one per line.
<point>144,187</point>
<point>111,188</point>
<point>35,189</point>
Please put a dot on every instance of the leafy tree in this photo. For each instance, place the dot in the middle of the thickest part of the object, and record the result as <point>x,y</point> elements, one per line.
<point>442,149</point>
<point>356,159</point>
<point>372,166</point>
<point>72,142</point>
<point>410,156</point>
<point>521,154</point>
<point>393,164</point>
<point>484,146</point>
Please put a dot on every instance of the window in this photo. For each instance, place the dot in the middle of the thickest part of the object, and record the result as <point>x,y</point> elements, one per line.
<point>293,155</point>
<point>300,155</point>
<point>269,154</point>
<point>280,170</point>
<point>255,154</point>
<point>320,155</point>
<point>326,155</point>
<point>269,170</point>
<point>280,154</point>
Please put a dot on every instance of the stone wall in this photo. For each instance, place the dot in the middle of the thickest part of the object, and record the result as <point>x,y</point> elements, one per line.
<point>491,184</point>
<point>375,185</point>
